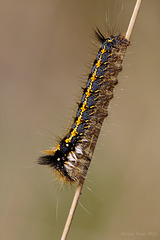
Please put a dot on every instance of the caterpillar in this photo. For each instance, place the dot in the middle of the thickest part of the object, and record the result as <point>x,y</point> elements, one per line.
<point>70,158</point>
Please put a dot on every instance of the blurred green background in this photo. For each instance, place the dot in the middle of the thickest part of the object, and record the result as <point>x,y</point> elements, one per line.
<point>46,50</point>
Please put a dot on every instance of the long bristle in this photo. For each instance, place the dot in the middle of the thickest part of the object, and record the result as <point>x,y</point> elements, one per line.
<point>99,35</point>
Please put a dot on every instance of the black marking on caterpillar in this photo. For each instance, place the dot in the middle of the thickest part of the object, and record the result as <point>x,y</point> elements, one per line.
<point>70,158</point>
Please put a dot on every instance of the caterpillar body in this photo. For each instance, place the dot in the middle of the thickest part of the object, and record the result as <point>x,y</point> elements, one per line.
<point>70,158</point>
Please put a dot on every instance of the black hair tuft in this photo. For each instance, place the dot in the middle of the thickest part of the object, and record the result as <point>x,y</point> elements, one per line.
<point>99,35</point>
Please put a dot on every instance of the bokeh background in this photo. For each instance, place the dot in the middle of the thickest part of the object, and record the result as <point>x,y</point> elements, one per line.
<point>46,50</point>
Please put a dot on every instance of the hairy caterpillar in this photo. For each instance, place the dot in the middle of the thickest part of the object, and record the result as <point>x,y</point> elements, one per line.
<point>70,158</point>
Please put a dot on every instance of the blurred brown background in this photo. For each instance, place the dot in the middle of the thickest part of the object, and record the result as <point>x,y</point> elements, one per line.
<point>46,50</point>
